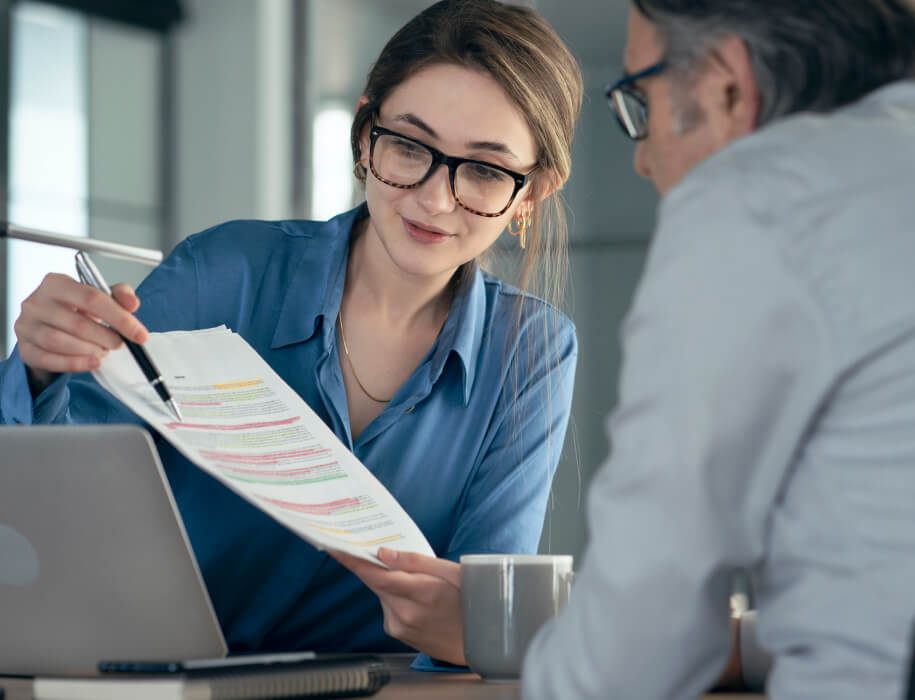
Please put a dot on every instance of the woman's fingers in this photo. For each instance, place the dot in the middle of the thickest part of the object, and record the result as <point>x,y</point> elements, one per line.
<point>103,307</point>
<point>378,578</point>
<point>429,619</point>
<point>420,564</point>
<point>57,363</point>
<point>355,564</point>
<point>61,291</point>
<point>422,605</point>
<point>125,296</point>
<point>68,327</point>
<point>61,326</point>
<point>52,340</point>
<point>414,586</point>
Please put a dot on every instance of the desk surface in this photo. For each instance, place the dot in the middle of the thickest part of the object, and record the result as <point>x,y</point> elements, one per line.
<point>417,685</point>
<point>411,685</point>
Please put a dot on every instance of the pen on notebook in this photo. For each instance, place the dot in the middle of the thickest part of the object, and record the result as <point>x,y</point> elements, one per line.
<point>89,274</point>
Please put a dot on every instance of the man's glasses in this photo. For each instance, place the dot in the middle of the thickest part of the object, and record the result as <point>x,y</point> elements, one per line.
<point>628,104</point>
<point>481,188</point>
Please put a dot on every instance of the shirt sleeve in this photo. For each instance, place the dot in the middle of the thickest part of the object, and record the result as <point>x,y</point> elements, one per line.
<point>723,368</point>
<point>16,404</point>
<point>505,505</point>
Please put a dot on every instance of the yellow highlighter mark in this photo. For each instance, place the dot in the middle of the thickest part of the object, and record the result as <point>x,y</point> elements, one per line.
<point>238,385</point>
<point>335,531</point>
<point>330,529</point>
<point>381,540</point>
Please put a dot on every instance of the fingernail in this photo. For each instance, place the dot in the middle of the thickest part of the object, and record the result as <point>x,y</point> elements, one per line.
<point>94,362</point>
<point>389,554</point>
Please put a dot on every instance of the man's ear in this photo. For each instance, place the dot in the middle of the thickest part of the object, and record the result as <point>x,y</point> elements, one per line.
<point>738,97</point>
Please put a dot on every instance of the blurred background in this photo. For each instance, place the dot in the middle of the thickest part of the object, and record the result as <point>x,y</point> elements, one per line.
<point>143,121</point>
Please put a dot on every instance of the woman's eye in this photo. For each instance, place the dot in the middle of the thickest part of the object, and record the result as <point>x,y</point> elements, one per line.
<point>482,173</point>
<point>408,148</point>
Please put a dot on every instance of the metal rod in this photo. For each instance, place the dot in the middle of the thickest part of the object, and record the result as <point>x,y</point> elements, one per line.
<point>90,245</point>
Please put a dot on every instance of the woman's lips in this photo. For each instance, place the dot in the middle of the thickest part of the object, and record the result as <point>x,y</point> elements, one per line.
<point>422,234</point>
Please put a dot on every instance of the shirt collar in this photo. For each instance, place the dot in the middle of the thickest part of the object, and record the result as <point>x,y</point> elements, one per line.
<point>322,266</point>
<point>462,333</point>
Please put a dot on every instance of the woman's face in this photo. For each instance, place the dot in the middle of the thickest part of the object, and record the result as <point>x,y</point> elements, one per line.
<point>463,113</point>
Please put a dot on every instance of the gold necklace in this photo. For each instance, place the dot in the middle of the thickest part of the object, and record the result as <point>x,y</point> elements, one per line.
<point>350,362</point>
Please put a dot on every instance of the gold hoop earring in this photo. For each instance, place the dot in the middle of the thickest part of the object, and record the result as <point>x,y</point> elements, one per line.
<point>520,229</point>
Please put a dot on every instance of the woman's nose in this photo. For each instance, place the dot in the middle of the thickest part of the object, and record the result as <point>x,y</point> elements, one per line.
<point>435,193</point>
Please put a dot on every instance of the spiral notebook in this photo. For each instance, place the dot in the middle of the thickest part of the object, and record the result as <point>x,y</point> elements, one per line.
<point>352,675</point>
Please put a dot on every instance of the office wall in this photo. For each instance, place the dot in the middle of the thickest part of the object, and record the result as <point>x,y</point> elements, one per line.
<point>232,113</point>
<point>125,142</point>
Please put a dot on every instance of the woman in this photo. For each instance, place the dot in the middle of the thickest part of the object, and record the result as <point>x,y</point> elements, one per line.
<point>451,386</point>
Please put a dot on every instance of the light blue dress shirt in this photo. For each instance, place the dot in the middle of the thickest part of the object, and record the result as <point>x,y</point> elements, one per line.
<point>766,420</point>
<point>468,445</point>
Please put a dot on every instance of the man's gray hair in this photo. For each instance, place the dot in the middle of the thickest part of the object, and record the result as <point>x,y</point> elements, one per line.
<point>807,55</point>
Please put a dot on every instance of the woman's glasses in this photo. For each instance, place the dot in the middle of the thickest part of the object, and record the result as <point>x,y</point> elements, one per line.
<point>481,188</point>
<point>628,104</point>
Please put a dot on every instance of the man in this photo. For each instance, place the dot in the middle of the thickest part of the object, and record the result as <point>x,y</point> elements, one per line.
<point>767,399</point>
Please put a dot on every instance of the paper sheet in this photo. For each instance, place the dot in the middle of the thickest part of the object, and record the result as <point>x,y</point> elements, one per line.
<point>246,427</point>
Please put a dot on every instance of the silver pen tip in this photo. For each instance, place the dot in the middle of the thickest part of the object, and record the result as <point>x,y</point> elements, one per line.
<point>172,405</point>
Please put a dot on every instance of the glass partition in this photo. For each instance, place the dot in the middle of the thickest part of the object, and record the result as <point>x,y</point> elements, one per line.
<point>48,154</point>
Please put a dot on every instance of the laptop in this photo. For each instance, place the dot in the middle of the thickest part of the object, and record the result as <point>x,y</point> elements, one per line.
<point>94,560</point>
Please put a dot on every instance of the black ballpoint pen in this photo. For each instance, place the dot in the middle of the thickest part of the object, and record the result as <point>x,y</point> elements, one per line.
<point>89,274</point>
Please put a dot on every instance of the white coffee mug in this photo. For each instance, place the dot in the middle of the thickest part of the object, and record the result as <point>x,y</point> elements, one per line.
<point>505,598</point>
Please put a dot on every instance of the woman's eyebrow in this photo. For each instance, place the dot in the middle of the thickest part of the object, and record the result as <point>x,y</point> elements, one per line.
<point>494,146</point>
<point>411,118</point>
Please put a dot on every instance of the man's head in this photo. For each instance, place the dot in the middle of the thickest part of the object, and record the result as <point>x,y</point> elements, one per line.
<point>728,67</point>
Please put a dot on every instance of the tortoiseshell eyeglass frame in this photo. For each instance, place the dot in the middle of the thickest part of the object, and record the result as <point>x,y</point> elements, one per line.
<point>452,162</point>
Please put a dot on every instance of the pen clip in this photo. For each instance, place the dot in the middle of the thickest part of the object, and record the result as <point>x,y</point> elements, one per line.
<point>89,273</point>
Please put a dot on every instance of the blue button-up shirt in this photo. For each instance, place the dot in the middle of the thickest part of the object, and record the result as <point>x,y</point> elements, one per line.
<point>468,445</point>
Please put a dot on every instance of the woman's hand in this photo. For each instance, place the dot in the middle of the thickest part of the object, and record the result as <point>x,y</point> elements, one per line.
<point>60,327</point>
<point>420,597</point>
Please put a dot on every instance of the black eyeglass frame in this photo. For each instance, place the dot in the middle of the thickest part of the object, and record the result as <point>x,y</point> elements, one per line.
<point>452,162</point>
<point>623,85</point>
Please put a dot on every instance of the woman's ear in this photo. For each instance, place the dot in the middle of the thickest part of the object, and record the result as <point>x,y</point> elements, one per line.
<point>546,183</point>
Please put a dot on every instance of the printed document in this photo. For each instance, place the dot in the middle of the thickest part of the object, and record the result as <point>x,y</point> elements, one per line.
<point>247,428</point>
